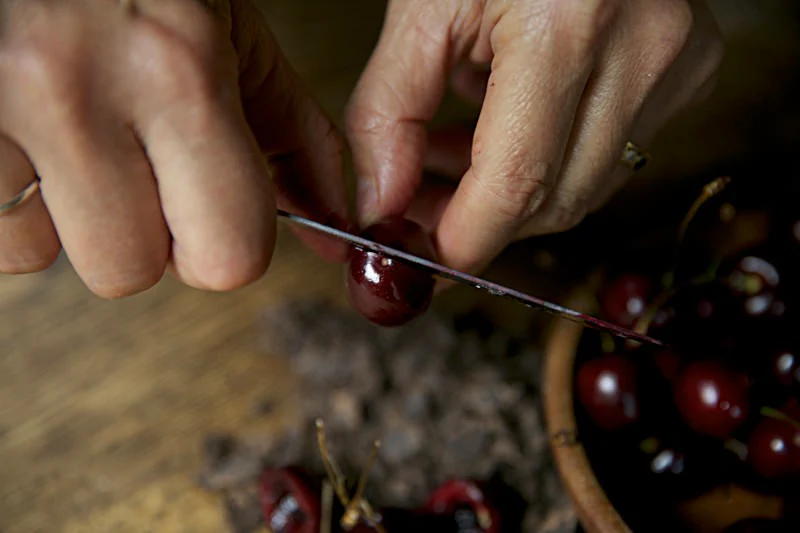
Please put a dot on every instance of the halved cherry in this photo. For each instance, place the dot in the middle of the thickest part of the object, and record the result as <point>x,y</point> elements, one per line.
<point>288,501</point>
<point>466,502</point>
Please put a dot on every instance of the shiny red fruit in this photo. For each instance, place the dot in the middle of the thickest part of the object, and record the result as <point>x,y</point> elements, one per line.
<point>668,362</point>
<point>607,389</point>
<point>755,277</point>
<point>773,449</point>
<point>711,399</point>
<point>465,501</point>
<point>786,367</point>
<point>388,291</point>
<point>625,299</point>
<point>288,503</point>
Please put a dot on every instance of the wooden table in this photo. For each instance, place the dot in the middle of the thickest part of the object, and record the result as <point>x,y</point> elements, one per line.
<point>104,405</point>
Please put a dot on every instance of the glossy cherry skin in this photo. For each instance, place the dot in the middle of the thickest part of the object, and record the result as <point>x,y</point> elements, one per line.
<point>786,367</point>
<point>625,299</point>
<point>388,291</point>
<point>711,399</point>
<point>668,362</point>
<point>607,389</point>
<point>773,449</point>
<point>288,503</point>
<point>697,318</point>
<point>757,278</point>
<point>466,502</point>
<point>677,463</point>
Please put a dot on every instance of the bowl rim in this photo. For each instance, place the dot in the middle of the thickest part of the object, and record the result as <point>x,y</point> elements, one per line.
<point>594,509</point>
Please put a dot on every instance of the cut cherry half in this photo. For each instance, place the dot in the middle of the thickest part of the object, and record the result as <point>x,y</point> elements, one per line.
<point>466,502</point>
<point>288,501</point>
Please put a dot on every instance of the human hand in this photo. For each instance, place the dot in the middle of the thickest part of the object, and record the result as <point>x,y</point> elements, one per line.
<point>570,83</point>
<point>148,122</point>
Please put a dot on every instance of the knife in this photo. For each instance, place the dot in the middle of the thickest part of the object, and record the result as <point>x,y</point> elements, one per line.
<point>474,281</point>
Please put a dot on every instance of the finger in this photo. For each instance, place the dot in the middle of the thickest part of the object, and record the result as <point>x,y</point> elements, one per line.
<point>302,146</point>
<point>398,92</point>
<point>533,94</point>
<point>102,197</point>
<point>622,105</point>
<point>213,180</point>
<point>28,240</point>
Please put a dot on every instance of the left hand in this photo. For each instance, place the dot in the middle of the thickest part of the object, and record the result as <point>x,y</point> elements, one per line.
<point>570,83</point>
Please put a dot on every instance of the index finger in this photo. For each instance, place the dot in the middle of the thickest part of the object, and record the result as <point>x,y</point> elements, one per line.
<point>532,97</point>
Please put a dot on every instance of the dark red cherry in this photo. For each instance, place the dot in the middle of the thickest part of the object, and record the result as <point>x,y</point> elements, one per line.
<point>756,277</point>
<point>625,299</point>
<point>607,389</point>
<point>397,520</point>
<point>786,367</point>
<point>676,462</point>
<point>288,503</point>
<point>466,502</point>
<point>388,291</point>
<point>711,399</point>
<point>668,362</point>
<point>773,449</point>
<point>697,318</point>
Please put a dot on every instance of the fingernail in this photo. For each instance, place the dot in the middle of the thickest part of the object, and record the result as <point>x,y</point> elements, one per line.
<point>368,201</point>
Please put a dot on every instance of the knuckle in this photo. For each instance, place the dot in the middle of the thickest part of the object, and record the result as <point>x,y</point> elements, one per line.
<point>200,23</point>
<point>360,121</point>
<point>41,64</point>
<point>583,24</point>
<point>178,69</point>
<point>516,189</point>
<point>126,282</point>
<point>30,263</point>
<point>235,270</point>
<point>670,29</point>
<point>567,211</point>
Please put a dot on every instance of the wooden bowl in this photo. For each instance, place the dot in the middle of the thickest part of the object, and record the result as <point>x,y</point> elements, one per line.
<point>595,511</point>
<point>709,513</point>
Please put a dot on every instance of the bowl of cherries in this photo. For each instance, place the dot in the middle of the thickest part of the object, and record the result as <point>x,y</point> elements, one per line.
<point>700,435</point>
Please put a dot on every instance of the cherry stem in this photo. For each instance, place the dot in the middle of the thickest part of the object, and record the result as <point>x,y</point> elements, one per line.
<point>327,507</point>
<point>642,324</point>
<point>771,412</point>
<point>710,190</point>
<point>357,507</point>
<point>607,343</point>
<point>737,447</point>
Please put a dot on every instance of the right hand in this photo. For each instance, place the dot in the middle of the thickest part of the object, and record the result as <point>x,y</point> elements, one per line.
<point>164,134</point>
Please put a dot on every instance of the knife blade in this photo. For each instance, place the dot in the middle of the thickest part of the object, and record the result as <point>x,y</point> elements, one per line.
<point>473,281</point>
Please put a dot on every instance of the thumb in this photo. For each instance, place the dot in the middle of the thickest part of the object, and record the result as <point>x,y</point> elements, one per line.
<point>400,90</point>
<point>303,146</point>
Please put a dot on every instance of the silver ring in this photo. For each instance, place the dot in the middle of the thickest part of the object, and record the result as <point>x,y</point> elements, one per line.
<point>20,198</point>
<point>634,157</point>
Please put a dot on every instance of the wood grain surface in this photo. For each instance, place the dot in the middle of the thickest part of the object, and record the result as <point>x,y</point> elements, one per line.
<point>104,405</point>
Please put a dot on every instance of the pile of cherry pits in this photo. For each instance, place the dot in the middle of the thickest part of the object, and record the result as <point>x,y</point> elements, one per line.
<point>721,402</point>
